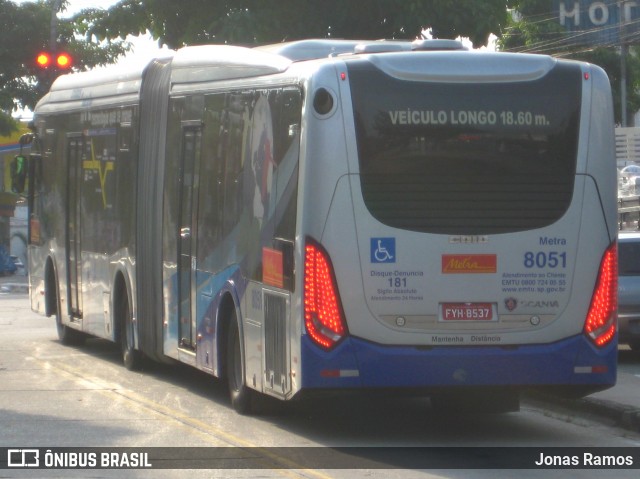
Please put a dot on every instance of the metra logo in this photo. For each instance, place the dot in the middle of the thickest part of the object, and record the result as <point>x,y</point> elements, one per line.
<point>469,263</point>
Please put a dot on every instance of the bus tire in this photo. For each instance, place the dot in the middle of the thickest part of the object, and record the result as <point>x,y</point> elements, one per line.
<point>131,357</point>
<point>239,393</point>
<point>67,336</point>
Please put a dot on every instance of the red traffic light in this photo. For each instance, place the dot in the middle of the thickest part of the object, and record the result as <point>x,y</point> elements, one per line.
<point>63,61</point>
<point>43,60</point>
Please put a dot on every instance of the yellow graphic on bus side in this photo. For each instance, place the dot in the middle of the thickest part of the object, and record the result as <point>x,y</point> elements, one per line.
<point>94,164</point>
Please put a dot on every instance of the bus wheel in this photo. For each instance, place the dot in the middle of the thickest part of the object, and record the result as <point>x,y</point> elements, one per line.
<point>131,357</point>
<point>240,394</point>
<point>69,336</point>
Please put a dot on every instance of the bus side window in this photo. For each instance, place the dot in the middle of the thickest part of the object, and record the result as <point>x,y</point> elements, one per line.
<point>286,154</point>
<point>286,135</point>
<point>231,155</point>
<point>211,202</point>
<point>34,198</point>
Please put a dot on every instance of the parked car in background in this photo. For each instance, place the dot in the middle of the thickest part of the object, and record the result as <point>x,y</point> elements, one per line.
<point>20,269</point>
<point>7,265</point>
<point>629,289</point>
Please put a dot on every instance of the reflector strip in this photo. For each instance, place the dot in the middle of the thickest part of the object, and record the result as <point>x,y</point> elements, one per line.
<point>590,369</point>
<point>339,373</point>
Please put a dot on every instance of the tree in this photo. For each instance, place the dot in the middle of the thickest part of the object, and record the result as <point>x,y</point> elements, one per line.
<point>193,22</point>
<point>534,28</point>
<point>25,31</point>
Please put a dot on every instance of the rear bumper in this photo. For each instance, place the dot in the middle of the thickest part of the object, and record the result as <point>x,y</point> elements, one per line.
<point>356,363</point>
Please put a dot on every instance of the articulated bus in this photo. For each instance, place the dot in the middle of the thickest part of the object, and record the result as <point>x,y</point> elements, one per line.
<point>328,215</point>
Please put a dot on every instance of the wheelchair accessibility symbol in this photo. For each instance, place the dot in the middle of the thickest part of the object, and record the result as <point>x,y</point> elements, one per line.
<point>383,250</point>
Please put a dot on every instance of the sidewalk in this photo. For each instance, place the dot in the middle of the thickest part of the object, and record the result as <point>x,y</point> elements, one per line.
<point>14,284</point>
<point>619,406</point>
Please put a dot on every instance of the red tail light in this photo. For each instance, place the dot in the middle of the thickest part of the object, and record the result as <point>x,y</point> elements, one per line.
<point>600,325</point>
<point>322,312</point>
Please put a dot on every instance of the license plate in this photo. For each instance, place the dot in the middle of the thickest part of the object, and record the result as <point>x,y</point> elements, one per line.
<point>467,312</point>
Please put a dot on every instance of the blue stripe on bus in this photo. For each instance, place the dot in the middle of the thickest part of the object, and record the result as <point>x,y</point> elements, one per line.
<point>413,367</point>
<point>4,148</point>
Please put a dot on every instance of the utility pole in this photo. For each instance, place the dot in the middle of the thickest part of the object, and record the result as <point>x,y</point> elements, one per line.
<point>56,5</point>
<point>623,62</point>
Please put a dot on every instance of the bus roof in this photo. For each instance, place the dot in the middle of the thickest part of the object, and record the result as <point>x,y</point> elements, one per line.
<point>188,64</point>
<point>195,64</point>
<point>223,62</point>
<point>210,63</point>
<point>314,49</point>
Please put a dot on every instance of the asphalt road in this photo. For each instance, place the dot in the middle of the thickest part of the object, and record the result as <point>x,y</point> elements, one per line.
<point>57,396</point>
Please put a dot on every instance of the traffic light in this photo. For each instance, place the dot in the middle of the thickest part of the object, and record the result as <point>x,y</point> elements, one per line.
<point>59,61</point>
<point>18,173</point>
<point>64,61</point>
<point>43,60</point>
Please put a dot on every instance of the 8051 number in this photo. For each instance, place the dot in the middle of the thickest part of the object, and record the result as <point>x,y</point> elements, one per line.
<point>544,259</point>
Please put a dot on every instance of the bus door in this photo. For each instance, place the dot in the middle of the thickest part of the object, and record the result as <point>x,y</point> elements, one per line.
<point>75,147</point>
<point>187,221</point>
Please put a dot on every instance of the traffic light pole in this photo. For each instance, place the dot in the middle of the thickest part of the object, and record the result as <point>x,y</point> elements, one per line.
<point>52,61</point>
<point>56,5</point>
<point>623,62</point>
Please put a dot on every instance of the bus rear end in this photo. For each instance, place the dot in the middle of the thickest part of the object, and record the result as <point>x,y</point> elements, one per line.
<point>469,242</point>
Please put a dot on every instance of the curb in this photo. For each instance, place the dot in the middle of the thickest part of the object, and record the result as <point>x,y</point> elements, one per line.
<point>603,410</point>
<point>14,288</point>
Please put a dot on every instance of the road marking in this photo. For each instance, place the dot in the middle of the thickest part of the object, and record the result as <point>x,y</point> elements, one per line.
<point>206,430</point>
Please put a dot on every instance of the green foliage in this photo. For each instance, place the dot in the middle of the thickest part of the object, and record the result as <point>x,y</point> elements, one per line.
<point>20,30</point>
<point>25,31</point>
<point>193,22</point>
<point>609,60</point>
<point>535,29</point>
